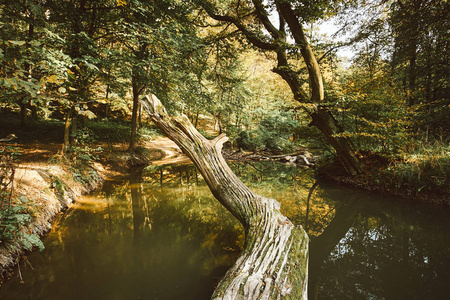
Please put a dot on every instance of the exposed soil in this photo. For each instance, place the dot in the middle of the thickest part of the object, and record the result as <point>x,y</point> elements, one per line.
<point>52,183</point>
<point>170,152</point>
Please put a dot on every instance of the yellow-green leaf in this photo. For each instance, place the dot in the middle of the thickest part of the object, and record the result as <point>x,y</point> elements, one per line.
<point>18,43</point>
<point>52,79</point>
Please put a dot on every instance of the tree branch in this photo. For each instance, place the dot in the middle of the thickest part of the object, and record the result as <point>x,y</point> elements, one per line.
<point>263,17</point>
<point>251,36</point>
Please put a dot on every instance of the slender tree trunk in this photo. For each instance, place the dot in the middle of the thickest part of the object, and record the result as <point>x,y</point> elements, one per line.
<point>107,98</point>
<point>274,262</point>
<point>73,138</point>
<point>23,105</point>
<point>67,131</point>
<point>134,115</point>
<point>412,77</point>
<point>23,114</point>
<point>138,87</point>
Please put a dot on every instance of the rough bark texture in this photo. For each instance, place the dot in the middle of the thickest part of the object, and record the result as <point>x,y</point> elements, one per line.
<point>325,122</point>
<point>274,261</point>
<point>287,15</point>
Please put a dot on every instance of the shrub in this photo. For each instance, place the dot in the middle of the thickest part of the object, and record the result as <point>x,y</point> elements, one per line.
<point>274,133</point>
<point>426,168</point>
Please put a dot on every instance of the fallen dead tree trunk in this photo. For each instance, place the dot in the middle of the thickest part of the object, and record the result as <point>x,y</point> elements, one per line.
<point>274,261</point>
<point>299,158</point>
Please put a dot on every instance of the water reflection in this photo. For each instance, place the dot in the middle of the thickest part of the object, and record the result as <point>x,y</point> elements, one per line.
<point>382,250</point>
<point>362,246</point>
<point>160,235</point>
<point>135,241</point>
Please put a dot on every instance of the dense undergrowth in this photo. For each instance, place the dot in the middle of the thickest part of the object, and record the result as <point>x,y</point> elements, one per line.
<point>427,168</point>
<point>422,174</point>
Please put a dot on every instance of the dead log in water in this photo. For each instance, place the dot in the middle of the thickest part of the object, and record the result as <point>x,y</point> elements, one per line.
<point>274,261</point>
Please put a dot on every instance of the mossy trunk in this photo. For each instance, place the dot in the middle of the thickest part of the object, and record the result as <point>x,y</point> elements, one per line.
<point>274,261</point>
<point>327,124</point>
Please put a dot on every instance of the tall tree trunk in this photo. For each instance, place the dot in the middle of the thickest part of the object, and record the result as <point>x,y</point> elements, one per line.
<point>23,114</point>
<point>134,114</point>
<point>274,262</point>
<point>67,131</point>
<point>413,41</point>
<point>412,76</point>
<point>321,117</point>
<point>325,122</point>
<point>138,87</point>
<point>23,105</point>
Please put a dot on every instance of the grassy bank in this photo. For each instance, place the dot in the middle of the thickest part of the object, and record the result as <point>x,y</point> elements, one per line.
<point>421,174</point>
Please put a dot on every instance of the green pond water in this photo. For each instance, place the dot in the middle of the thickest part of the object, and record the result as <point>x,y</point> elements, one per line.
<point>160,234</point>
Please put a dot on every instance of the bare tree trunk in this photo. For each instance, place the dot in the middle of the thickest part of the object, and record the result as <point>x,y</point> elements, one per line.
<point>135,111</point>
<point>274,261</point>
<point>67,132</point>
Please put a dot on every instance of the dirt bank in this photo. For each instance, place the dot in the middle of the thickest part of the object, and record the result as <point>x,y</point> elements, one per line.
<point>51,184</point>
<point>48,190</point>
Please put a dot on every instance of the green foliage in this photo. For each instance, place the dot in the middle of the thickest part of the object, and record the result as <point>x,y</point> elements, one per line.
<point>15,213</point>
<point>84,175</point>
<point>14,223</point>
<point>433,120</point>
<point>274,133</point>
<point>111,131</point>
<point>359,102</point>
<point>426,168</point>
<point>58,185</point>
<point>65,59</point>
<point>310,11</point>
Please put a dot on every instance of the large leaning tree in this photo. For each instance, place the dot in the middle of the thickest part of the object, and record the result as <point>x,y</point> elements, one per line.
<point>278,26</point>
<point>274,261</point>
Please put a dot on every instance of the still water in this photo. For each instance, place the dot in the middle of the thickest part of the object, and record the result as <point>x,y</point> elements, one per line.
<point>161,235</point>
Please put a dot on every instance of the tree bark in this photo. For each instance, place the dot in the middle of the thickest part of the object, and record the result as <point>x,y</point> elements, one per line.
<point>67,124</point>
<point>23,114</point>
<point>325,122</point>
<point>322,118</point>
<point>134,117</point>
<point>274,261</point>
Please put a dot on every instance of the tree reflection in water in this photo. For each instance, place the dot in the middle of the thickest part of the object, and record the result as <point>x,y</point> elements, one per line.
<point>161,235</point>
<point>362,246</point>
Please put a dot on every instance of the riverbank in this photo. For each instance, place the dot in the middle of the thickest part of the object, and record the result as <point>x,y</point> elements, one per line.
<point>41,191</point>
<point>383,176</point>
<point>414,181</point>
<point>44,184</point>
